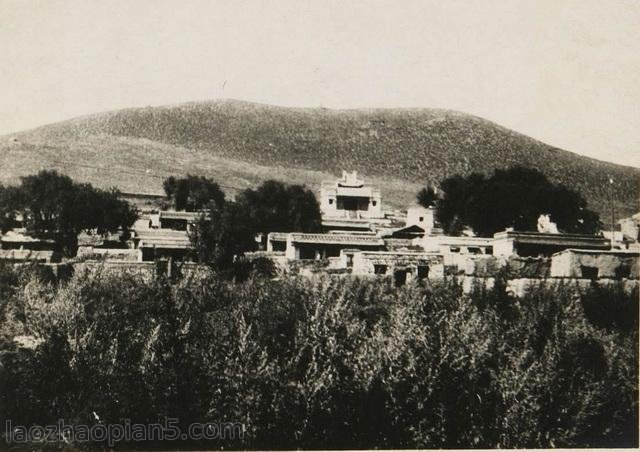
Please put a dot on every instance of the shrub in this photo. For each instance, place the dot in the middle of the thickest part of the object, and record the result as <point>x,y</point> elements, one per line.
<point>324,362</point>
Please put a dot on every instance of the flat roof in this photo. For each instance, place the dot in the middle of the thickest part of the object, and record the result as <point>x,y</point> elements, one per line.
<point>338,239</point>
<point>180,215</point>
<point>535,234</point>
<point>346,222</point>
<point>400,253</point>
<point>160,233</point>
<point>278,236</point>
<point>166,244</point>
<point>25,255</point>
<point>20,236</point>
<point>588,251</point>
<point>462,240</point>
<point>163,238</point>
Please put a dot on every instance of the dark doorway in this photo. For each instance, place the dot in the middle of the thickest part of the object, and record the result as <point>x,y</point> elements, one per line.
<point>589,272</point>
<point>400,277</point>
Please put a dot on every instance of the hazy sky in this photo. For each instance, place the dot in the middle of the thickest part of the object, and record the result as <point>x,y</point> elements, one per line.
<point>565,72</point>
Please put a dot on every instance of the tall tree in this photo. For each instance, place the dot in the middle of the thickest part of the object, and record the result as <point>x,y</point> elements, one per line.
<point>54,206</point>
<point>427,197</point>
<point>514,197</point>
<point>229,231</point>
<point>193,193</point>
<point>223,235</point>
<point>7,208</point>
<point>275,206</point>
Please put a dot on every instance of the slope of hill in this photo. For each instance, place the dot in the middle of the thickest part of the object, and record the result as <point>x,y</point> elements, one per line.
<point>240,144</point>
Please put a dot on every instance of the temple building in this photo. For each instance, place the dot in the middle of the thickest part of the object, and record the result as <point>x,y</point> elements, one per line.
<point>350,198</point>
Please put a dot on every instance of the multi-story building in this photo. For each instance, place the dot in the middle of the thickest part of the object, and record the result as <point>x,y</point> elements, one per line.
<point>350,198</point>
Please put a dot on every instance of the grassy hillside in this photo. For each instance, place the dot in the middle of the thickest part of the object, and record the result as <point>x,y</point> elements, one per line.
<point>240,144</point>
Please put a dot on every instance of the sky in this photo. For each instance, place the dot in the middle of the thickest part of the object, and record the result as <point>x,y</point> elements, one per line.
<point>564,72</point>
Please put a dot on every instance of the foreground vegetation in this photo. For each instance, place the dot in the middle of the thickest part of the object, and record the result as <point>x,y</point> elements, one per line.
<point>326,363</point>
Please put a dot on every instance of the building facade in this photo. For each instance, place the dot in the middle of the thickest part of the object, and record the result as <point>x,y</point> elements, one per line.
<point>422,217</point>
<point>350,198</point>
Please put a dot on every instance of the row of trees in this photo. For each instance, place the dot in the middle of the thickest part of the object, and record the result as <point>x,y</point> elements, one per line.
<point>53,206</point>
<point>323,364</point>
<point>514,197</point>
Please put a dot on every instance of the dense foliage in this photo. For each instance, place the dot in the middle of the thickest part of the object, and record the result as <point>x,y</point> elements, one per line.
<point>427,197</point>
<point>324,363</point>
<point>275,206</point>
<point>222,235</point>
<point>192,193</point>
<point>54,206</point>
<point>514,198</point>
<point>230,229</point>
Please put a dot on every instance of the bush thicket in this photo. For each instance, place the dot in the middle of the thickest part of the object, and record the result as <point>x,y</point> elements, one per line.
<point>323,363</point>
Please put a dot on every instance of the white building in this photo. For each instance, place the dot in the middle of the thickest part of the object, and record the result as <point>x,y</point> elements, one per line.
<point>350,198</point>
<point>595,264</point>
<point>630,227</point>
<point>422,217</point>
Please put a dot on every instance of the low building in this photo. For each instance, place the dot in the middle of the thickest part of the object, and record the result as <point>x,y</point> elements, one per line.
<point>321,246</point>
<point>596,264</point>
<point>350,198</point>
<point>22,255</point>
<point>456,249</point>
<point>178,220</point>
<point>277,241</point>
<point>506,243</point>
<point>403,266</point>
<point>619,240</point>
<point>18,239</point>
<point>630,227</point>
<point>162,244</point>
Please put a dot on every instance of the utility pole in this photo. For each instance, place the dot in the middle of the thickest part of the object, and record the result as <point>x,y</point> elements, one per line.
<point>612,211</point>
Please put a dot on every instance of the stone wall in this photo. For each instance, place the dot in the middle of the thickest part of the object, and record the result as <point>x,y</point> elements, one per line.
<point>125,254</point>
<point>513,267</point>
<point>520,286</point>
<point>579,264</point>
<point>144,270</point>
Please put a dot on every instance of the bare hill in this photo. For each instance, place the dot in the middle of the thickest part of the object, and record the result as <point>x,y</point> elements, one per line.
<point>240,144</point>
